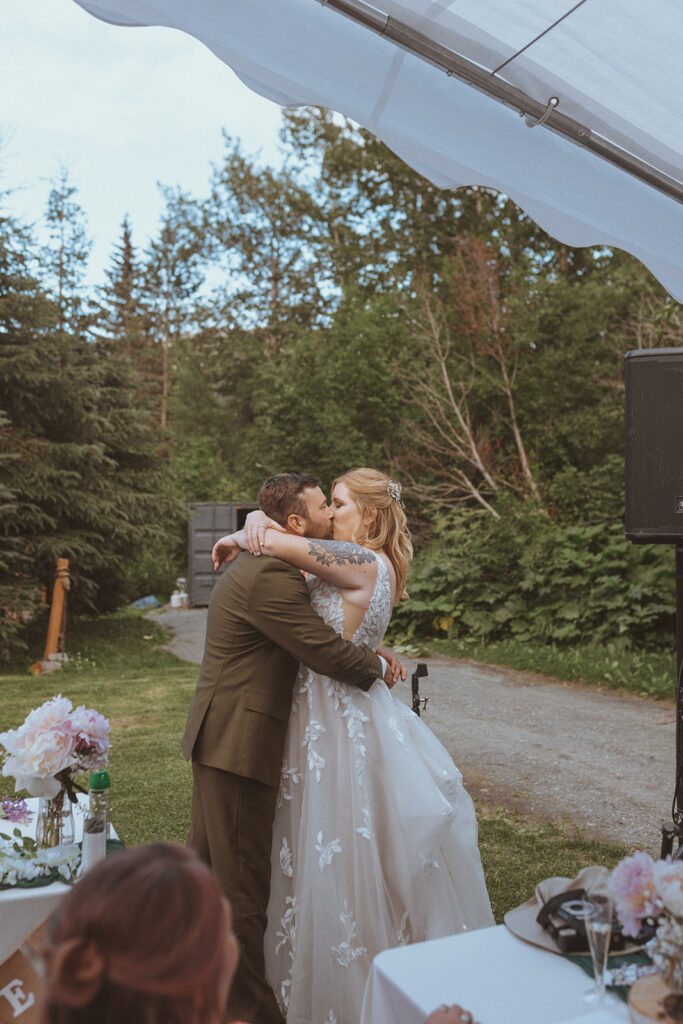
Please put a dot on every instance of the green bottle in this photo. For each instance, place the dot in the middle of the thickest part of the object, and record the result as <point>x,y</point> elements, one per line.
<point>99,799</point>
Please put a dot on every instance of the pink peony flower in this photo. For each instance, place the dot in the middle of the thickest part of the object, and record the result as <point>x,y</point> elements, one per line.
<point>41,747</point>
<point>40,756</point>
<point>668,879</point>
<point>633,885</point>
<point>52,739</point>
<point>92,736</point>
<point>53,714</point>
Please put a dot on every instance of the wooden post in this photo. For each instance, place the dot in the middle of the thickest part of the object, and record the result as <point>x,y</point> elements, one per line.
<point>57,624</point>
<point>55,629</point>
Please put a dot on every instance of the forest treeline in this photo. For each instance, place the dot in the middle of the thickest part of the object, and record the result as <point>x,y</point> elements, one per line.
<point>337,311</point>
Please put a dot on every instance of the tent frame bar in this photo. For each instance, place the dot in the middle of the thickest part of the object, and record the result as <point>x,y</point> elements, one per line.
<point>485,81</point>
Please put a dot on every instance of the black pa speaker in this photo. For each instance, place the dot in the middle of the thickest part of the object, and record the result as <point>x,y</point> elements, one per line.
<point>654,445</point>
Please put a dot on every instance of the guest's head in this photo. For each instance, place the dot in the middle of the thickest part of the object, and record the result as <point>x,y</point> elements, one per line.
<point>145,937</point>
<point>295,501</point>
<point>368,510</point>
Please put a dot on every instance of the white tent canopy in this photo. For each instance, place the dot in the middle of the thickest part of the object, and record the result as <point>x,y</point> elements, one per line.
<point>446,82</point>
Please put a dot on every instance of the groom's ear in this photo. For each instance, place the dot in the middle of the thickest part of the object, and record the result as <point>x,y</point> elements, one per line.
<point>296,524</point>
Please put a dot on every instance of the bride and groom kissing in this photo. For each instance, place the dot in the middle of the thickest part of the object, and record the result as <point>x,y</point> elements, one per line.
<point>335,821</point>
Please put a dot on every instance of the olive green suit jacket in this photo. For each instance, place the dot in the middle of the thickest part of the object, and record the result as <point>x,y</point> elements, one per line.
<point>260,626</point>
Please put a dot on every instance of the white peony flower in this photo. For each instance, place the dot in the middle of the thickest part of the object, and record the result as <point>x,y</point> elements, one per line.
<point>35,784</point>
<point>668,879</point>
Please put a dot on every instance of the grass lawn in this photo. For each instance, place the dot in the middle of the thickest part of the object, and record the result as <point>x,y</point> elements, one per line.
<point>145,693</point>
<point>117,668</point>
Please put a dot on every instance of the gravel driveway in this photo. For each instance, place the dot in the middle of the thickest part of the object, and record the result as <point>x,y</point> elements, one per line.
<point>558,751</point>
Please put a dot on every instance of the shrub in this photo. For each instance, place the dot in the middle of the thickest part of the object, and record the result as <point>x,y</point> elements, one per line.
<point>525,577</point>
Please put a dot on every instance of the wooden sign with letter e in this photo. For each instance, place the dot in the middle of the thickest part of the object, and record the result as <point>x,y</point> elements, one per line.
<point>19,985</point>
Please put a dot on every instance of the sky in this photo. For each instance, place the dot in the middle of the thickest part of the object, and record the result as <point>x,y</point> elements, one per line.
<point>122,109</point>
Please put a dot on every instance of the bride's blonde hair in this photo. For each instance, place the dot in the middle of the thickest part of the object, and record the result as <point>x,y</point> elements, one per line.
<point>387,529</point>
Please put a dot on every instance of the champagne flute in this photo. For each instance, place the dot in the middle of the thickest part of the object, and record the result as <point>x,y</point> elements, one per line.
<point>598,911</point>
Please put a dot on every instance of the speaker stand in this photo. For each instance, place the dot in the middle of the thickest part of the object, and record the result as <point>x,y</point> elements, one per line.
<point>672,830</point>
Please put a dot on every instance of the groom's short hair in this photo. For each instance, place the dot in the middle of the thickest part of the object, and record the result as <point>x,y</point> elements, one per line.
<point>280,495</point>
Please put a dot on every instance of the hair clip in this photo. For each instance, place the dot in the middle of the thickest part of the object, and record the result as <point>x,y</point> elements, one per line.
<point>394,491</point>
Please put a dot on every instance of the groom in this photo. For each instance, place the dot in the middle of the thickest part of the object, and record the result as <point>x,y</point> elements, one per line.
<point>260,626</point>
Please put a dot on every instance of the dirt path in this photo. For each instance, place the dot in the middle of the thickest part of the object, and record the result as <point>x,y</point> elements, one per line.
<point>558,751</point>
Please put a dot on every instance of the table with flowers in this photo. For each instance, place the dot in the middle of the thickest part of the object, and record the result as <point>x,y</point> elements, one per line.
<point>499,977</point>
<point>23,909</point>
<point>490,972</point>
<point>39,837</point>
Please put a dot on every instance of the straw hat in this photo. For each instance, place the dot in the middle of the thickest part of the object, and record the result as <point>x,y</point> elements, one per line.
<point>521,921</point>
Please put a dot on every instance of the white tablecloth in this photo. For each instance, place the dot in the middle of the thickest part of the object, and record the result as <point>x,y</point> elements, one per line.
<point>22,910</point>
<point>496,976</point>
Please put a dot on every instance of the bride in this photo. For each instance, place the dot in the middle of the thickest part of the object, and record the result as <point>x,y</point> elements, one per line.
<point>375,837</point>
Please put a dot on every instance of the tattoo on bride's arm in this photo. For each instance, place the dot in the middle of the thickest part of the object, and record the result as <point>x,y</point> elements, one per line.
<point>338,552</point>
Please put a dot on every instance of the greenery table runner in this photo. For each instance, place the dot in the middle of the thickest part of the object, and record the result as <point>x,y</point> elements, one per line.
<point>613,962</point>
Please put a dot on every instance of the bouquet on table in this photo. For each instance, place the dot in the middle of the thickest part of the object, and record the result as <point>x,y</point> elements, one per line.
<point>44,755</point>
<point>648,890</point>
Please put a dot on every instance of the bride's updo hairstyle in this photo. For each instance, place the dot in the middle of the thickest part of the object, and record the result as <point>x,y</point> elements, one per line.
<point>142,938</point>
<point>378,500</point>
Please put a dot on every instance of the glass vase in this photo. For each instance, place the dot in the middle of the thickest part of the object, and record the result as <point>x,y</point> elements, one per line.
<point>55,824</point>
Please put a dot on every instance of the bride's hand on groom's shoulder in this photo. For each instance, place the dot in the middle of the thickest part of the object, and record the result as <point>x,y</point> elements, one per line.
<point>255,526</point>
<point>224,551</point>
<point>395,669</point>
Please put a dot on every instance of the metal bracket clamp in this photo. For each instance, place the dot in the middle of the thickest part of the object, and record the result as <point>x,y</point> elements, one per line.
<point>534,122</point>
<point>420,672</point>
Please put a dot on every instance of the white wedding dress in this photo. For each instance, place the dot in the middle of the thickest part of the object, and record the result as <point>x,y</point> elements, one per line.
<point>374,840</point>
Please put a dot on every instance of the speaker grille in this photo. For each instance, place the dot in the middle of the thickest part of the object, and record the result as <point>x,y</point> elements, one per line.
<point>654,445</point>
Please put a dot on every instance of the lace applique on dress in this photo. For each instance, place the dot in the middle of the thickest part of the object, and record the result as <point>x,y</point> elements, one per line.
<point>394,726</point>
<point>403,933</point>
<point>326,850</point>
<point>286,859</point>
<point>288,777</point>
<point>366,830</point>
<point>429,865</point>
<point>345,953</point>
<point>316,761</point>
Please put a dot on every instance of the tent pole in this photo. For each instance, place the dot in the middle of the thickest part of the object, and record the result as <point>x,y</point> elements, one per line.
<point>486,81</point>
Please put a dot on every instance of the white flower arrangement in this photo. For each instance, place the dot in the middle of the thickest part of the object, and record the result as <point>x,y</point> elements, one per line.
<point>54,743</point>
<point>23,863</point>
<point>649,890</point>
<point>44,755</point>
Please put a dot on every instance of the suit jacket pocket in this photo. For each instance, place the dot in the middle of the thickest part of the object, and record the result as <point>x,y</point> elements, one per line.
<point>267,705</point>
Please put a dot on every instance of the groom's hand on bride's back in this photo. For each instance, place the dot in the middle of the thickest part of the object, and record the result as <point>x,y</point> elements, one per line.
<point>395,669</point>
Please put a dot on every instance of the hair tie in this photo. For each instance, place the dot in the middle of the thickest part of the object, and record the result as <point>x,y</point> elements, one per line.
<point>394,491</point>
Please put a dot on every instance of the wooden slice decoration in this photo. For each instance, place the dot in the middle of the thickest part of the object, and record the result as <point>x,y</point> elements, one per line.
<point>649,999</point>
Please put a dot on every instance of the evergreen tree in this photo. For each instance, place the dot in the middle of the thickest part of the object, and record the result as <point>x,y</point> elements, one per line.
<point>67,252</point>
<point>78,471</point>
<point>172,277</point>
<point>18,592</point>
<point>125,315</point>
<point>125,323</point>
